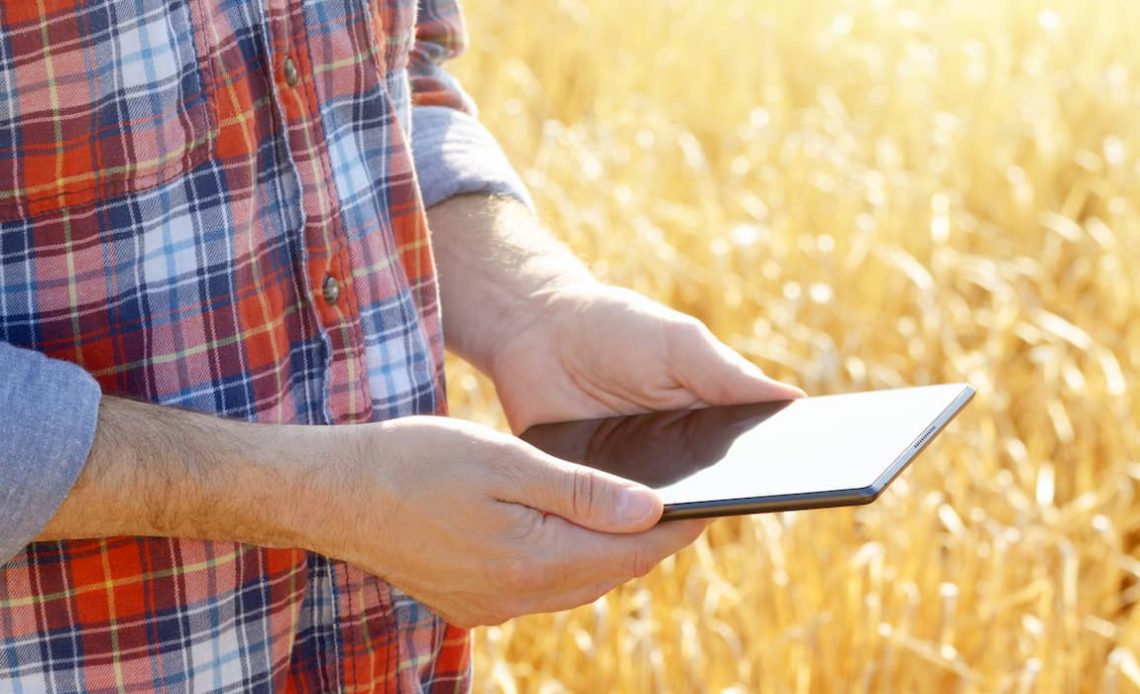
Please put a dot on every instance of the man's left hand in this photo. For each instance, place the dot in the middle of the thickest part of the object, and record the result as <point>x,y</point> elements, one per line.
<point>591,350</point>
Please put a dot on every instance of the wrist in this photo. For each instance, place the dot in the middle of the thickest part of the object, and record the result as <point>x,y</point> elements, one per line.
<point>267,482</point>
<point>357,477</point>
<point>550,299</point>
<point>498,268</point>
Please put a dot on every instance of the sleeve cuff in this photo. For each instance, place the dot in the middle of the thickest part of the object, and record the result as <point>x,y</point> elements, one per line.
<point>50,409</point>
<point>456,155</point>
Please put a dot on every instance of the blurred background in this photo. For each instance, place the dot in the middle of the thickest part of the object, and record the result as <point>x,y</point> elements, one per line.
<point>858,194</point>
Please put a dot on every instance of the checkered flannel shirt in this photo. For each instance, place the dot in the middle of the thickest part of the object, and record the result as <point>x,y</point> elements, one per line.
<point>213,204</point>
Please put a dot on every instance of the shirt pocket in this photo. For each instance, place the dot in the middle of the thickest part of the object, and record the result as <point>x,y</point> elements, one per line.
<point>98,98</point>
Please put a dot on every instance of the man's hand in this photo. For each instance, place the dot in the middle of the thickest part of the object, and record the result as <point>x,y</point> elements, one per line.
<point>587,350</point>
<point>478,525</point>
<point>482,527</point>
<point>560,345</point>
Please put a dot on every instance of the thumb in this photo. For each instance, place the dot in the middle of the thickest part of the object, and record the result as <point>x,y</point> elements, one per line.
<point>587,497</point>
<point>719,375</point>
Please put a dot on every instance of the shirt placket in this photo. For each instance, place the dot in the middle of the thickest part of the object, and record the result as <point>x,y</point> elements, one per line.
<point>328,276</point>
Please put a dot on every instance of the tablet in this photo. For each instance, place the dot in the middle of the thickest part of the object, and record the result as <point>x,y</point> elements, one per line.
<point>815,452</point>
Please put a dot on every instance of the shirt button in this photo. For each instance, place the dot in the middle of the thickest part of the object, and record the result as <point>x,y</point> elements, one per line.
<point>331,290</point>
<point>291,76</point>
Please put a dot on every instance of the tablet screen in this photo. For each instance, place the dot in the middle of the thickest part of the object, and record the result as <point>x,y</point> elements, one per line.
<point>811,445</point>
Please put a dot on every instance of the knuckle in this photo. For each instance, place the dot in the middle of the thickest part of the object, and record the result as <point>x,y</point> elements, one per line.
<point>583,495</point>
<point>599,590</point>
<point>639,563</point>
<point>515,472</point>
<point>503,464</point>
<point>689,329</point>
<point>463,621</point>
<point>497,616</point>
<point>687,335</point>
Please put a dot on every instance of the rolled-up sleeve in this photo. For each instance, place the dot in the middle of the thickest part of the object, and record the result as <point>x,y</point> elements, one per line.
<point>48,412</point>
<point>454,153</point>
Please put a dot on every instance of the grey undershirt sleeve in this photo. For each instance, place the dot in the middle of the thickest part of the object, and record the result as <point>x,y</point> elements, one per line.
<point>456,155</point>
<point>48,410</point>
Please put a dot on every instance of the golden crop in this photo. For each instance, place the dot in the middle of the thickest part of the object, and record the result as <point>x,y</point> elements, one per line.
<point>858,194</point>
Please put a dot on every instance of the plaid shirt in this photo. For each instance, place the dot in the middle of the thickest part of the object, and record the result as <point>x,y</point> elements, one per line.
<point>212,204</point>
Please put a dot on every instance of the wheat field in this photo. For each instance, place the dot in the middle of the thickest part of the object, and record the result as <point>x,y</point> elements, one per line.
<point>858,194</point>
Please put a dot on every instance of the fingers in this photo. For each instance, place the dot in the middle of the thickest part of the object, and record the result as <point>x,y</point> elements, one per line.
<point>597,556</point>
<point>581,495</point>
<point>557,565</point>
<point>568,601</point>
<point>570,563</point>
<point>717,374</point>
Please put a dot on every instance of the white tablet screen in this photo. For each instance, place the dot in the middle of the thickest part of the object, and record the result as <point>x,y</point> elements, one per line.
<point>812,445</point>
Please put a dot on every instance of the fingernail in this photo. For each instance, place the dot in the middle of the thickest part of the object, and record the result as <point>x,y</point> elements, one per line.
<point>635,505</point>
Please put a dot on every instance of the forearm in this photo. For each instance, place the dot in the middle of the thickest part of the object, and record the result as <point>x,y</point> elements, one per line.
<point>497,265</point>
<point>157,471</point>
<point>520,531</point>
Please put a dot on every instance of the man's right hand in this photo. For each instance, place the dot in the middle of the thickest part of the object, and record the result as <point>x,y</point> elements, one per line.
<point>476,524</point>
<point>483,527</point>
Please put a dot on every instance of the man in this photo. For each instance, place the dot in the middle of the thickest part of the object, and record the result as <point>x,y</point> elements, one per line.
<point>211,207</point>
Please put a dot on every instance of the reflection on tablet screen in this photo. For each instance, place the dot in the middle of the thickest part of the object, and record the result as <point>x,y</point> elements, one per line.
<point>654,449</point>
